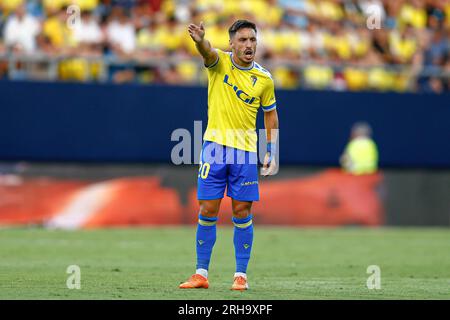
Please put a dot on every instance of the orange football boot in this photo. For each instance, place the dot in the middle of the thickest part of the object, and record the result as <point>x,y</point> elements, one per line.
<point>240,283</point>
<point>196,281</point>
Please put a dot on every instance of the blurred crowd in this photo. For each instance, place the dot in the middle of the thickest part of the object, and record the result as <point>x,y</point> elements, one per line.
<point>357,45</point>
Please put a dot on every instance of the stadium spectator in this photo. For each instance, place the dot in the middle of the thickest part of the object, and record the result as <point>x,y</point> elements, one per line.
<point>361,154</point>
<point>171,75</point>
<point>434,85</point>
<point>403,45</point>
<point>295,12</point>
<point>89,33</point>
<point>21,30</point>
<point>120,33</point>
<point>56,38</point>
<point>438,49</point>
<point>307,43</point>
<point>148,43</point>
<point>413,13</point>
<point>380,43</point>
<point>392,12</point>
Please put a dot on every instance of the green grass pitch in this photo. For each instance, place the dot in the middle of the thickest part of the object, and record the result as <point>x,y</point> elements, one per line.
<point>287,263</point>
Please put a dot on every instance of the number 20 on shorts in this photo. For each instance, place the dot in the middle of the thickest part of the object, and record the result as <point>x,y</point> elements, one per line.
<point>203,171</point>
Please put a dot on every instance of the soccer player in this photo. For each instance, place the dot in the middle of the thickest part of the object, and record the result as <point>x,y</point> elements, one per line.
<point>237,88</point>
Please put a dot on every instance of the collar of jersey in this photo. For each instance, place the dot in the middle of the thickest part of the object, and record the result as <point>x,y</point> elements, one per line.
<point>241,68</point>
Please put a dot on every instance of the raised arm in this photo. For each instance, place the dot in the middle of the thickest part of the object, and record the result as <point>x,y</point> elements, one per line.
<point>197,34</point>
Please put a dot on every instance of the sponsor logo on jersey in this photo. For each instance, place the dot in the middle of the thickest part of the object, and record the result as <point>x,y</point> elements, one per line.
<point>239,93</point>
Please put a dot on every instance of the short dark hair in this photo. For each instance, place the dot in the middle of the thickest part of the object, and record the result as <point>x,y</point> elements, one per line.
<point>240,24</point>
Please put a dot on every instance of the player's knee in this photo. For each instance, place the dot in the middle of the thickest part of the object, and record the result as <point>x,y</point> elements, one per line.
<point>209,209</point>
<point>242,210</point>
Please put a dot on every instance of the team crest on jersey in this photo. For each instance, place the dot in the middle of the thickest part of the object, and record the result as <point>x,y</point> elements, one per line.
<point>254,79</point>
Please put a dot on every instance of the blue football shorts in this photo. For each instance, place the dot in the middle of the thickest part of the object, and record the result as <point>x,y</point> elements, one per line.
<point>221,167</point>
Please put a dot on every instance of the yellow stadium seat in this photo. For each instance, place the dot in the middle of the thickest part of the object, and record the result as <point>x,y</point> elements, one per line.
<point>402,82</point>
<point>356,79</point>
<point>380,79</point>
<point>318,77</point>
<point>74,69</point>
<point>284,78</point>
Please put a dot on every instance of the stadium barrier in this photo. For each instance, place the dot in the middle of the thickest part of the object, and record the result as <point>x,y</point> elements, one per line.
<point>34,201</point>
<point>134,123</point>
<point>330,198</point>
<point>72,204</point>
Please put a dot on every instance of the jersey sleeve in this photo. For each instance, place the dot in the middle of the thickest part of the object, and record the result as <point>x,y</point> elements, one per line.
<point>219,60</point>
<point>268,101</point>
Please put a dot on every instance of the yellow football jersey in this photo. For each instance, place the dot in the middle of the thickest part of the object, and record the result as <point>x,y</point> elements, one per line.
<point>234,97</point>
